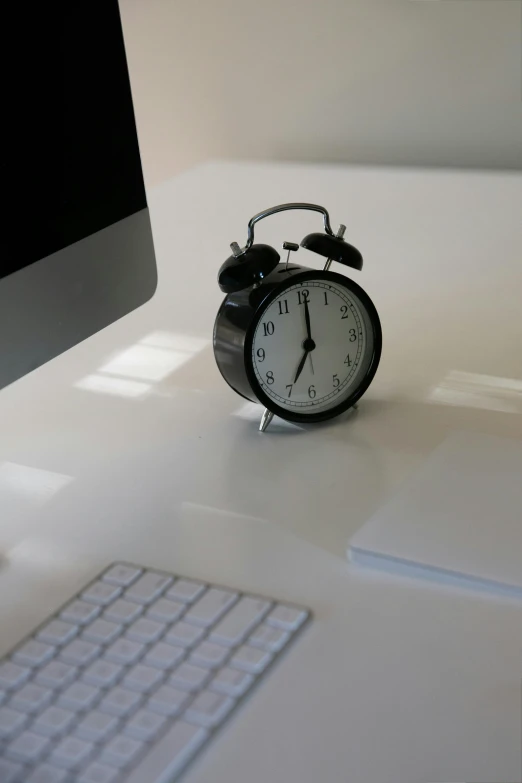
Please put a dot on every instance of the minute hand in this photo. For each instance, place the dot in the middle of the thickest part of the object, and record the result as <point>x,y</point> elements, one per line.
<point>307,320</point>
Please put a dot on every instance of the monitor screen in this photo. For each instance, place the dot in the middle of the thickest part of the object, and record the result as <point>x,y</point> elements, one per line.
<point>79,163</point>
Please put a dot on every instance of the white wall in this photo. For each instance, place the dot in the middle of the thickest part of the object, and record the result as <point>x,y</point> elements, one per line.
<point>379,81</point>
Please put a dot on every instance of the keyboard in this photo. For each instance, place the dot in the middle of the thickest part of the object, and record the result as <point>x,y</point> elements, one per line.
<point>128,681</point>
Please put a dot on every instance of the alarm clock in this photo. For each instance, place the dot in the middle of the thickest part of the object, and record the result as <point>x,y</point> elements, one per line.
<point>302,342</point>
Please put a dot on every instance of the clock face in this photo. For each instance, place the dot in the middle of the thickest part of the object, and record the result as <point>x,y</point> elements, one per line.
<point>315,346</point>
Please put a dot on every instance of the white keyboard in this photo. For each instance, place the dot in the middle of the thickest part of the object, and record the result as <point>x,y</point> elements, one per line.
<point>129,680</point>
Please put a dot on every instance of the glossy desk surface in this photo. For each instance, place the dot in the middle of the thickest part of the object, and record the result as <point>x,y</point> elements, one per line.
<point>130,446</point>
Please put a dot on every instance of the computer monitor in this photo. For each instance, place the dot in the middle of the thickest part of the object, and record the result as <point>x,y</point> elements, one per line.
<point>77,245</point>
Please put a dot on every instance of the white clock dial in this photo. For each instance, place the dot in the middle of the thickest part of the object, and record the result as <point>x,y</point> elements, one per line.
<point>312,370</point>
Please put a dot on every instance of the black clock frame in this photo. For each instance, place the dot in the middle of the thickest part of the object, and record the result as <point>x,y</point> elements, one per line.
<point>236,323</point>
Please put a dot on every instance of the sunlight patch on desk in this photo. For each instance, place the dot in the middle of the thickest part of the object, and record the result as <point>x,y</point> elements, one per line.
<point>131,372</point>
<point>145,362</point>
<point>474,390</point>
<point>178,342</point>
<point>33,484</point>
<point>117,386</point>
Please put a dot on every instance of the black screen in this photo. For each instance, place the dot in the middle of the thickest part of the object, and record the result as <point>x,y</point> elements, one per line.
<point>72,164</point>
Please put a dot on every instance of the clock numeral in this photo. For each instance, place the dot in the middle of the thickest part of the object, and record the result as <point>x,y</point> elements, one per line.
<point>270,377</point>
<point>260,353</point>
<point>336,381</point>
<point>283,307</point>
<point>344,311</point>
<point>311,391</point>
<point>289,387</point>
<point>303,296</point>
<point>353,336</point>
<point>348,361</point>
<point>268,328</point>
<point>326,297</point>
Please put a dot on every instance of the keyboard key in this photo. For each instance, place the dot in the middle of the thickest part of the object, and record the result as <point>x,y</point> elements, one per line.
<point>71,752</point>
<point>11,722</point>
<point>239,621</point>
<point>79,652</point>
<point>101,593</point>
<point>165,610</point>
<point>209,655</point>
<point>250,659</point>
<point>33,653</point>
<point>267,638</point>
<point>288,618</point>
<point>186,590</point>
<point>164,656</point>
<point>167,700</point>
<point>102,673</point>
<point>170,755</point>
<point>79,696</point>
<point>189,677</point>
<point>45,773</point>
<point>27,747</point>
<point>145,725</point>
<point>184,634</point>
<point>97,726</point>
<point>209,608</point>
<point>122,574</point>
<point>122,611</point>
<point>58,632</point>
<point>120,702</point>
<point>145,631</point>
<point>208,709</point>
<point>101,632</point>
<point>121,751</point>
<point>142,678</point>
<point>98,773</point>
<point>56,674</point>
<point>31,698</point>
<point>124,651</point>
<point>80,612</point>
<point>231,682</point>
<point>10,772</point>
<point>53,721</point>
<point>12,675</point>
<point>148,587</point>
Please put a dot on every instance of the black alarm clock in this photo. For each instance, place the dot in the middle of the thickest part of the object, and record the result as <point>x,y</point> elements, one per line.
<point>304,343</point>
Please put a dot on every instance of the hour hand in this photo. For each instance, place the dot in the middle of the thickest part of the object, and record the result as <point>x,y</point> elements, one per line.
<point>301,365</point>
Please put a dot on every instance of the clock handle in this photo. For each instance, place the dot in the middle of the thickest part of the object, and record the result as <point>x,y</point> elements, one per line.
<point>272,211</point>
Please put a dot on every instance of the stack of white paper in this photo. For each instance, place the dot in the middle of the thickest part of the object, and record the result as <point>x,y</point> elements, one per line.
<point>459,520</point>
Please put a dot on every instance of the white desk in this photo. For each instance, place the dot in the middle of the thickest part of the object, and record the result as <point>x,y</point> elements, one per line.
<point>150,457</point>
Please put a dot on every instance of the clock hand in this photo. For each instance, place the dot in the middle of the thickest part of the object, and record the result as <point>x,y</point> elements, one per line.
<point>301,365</point>
<point>308,344</point>
<point>307,320</point>
<point>311,363</point>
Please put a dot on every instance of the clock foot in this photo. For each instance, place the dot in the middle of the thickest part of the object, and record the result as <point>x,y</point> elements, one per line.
<point>266,418</point>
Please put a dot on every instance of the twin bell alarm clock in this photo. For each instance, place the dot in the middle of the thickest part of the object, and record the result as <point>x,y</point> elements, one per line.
<point>303,343</point>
